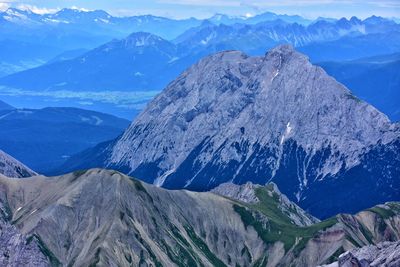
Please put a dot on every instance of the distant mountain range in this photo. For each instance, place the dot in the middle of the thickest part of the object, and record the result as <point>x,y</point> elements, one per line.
<point>277,118</point>
<point>45,138</point>
<point>144,61</point>
<point>70,29</point>
<point>109,219</point>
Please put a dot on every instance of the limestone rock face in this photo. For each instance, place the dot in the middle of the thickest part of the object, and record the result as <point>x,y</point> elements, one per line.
<point>17,249</point>
<point>382,254</point>
<point>13,168</point>
<point>235,118</point>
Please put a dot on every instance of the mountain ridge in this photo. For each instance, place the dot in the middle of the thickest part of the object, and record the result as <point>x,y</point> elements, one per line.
<point>111,219</point>
<point>45,138</point>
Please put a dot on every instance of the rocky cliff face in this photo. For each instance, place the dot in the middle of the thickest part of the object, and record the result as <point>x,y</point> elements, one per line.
<point>383,254</point>
<point>17,249</point>
<point>235,118</point>
<point>13,168</point>
<point>105,218</point>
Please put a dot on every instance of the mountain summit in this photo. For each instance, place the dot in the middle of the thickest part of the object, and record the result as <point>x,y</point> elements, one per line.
<point>276,118</point>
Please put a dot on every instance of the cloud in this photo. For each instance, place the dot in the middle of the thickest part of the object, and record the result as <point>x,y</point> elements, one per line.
<point>4,6</point>
<point>81,9</point>
<point>280,3</point>
<point>204,3</point>
<point>37,10</point>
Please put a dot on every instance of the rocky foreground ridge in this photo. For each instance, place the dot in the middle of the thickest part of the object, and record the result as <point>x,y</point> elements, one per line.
<point>383,254</point>
<point>104,218</point>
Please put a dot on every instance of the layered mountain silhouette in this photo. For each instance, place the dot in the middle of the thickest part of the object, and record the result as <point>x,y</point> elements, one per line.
<point>277,118</point>
<point>145,61</point>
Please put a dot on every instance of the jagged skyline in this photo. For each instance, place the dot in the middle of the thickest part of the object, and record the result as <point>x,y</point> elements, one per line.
<point>205,8</point>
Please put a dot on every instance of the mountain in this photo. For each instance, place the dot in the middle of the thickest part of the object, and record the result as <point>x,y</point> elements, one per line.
<point>109,219</point>
<point>67,55</point>
<point>263,17</point>
<point>17,56</point>
<point>71,25</point>
<point>13,168</point>
<point>276,118</point>
<point>126,65</point>
<point>28,40</point>
<point>254,39</point>
<point>375,80</point>
<point>5,106</point>
<point>45,138</point>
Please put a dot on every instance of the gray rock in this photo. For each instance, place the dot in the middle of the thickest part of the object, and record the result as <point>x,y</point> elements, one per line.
<point>102,217</point>
<point>247,193</point>
<point>383,254</point>
<point>13,168</point>
<point>278,118</point>
<point>17,249</point>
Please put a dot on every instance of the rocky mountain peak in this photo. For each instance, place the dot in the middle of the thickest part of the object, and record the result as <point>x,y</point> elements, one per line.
<point>232,117</point>
<point>139,39</point>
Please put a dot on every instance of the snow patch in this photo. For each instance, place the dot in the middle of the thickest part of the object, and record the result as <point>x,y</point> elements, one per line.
<point>98,120</point>
<point>160,180</point>
<point>287,132</point>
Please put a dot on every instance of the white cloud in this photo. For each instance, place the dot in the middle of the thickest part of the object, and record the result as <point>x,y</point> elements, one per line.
<point>37,10</point>
<point>205,3</point>
<point>4,6</point>
<point>80,9</point>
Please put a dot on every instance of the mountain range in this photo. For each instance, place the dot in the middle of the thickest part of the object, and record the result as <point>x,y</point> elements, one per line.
<point>232,117</point>
<point>128,64</point>
<point>36,38</point>
<point>44,138</point>
<point>104,218</point>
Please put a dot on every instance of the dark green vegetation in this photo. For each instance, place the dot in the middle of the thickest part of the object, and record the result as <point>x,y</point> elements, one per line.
<point>384,213</point>
<point>204,248</point>
<point>274,224</point>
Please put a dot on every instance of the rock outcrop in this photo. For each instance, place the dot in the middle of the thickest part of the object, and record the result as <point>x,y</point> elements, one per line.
<point>383,254</point>
<point>13,168</point>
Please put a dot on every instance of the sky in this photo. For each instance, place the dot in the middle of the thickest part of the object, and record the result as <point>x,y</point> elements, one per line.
<point>206,8</point>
